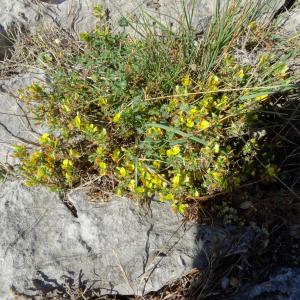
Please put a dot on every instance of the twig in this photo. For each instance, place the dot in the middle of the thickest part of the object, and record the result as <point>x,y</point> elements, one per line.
<point>124,273</point>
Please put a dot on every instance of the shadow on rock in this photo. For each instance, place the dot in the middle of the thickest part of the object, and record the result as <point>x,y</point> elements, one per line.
<point>51,287</point>
<point>71,287</point>
<point>6,44</point>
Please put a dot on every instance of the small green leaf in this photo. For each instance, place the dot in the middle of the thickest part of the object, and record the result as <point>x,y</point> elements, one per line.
<point>179,132</point>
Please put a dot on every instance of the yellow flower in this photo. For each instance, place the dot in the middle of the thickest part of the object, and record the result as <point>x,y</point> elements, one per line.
<point>45,138</point>
<point>217,148</point>
<point>245,92</point>
<point>139,190</point>
<point>168,197</point>
<point>66,164</point>
<point>186,81</point>
<point>156,164</point>
<point>252,25</point>
<point>103,168</point>
<point>100,151</point>
<point>74,154</point>
<point>173,103</point>
<point>213,82</point>
<point>77,121</point>
<point>66,107</point>
<point>156,181</point>
<point>35,156</point>
<point>223,102</point>
<point>102,165</point>
<point>173,151</point>
<point>116,154</point>
<point>122,172</point>
<point>196,194</point>
<point>29,183</point>
<point>117,117</point>
<point>217,176</point>
<point>176,180</point>
<point>204,125</point>
<point>130,166</point>
<point>119,192</point>
<point>131,185</point>
<point>224,99</point>
<point>190,123</point>
<point>149,184</point>
<point>102,101</point>
<point>241,74</point>
<point>92,128</point>
<point>261,98</point>
<point>182,121</point>
<point>154,130</point>
<point>179,207</point>
<point>193,111</point>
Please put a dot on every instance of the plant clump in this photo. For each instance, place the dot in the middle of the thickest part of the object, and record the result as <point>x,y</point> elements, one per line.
<point>143,114</point>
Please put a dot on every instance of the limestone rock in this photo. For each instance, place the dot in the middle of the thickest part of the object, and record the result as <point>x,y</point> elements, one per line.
<point>33,15</point>
<point>292,23</point>
<point>76,15</point>
<point>115,245</point>
<point>17,126</point>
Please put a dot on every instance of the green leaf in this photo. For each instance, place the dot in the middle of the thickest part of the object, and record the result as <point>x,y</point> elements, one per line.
<point>254,95</point>
<point>269,91</point>
<point>179,132</point>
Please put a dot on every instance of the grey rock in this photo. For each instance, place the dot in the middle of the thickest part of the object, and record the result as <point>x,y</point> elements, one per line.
<point>69,14</point>
<point>292,22</point>
<point>17,126</point>
<point>165,11</point>
<point>284,284</point>
<point>18,16</point>
<point>115,245</point>
<point>76,15</point>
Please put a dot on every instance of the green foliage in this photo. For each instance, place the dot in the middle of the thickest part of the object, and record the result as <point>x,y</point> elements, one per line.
<point>146,115</point>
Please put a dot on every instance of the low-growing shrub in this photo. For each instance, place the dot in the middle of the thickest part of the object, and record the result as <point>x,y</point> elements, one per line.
<point>167,115</point>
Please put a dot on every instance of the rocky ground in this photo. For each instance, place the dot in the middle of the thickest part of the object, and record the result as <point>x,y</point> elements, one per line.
<point>115,247</point>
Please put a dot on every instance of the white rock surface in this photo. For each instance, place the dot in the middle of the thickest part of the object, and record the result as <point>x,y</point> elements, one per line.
<point>76,15</point>
<point>69,14</point>
<point>16,124</point>
<point>292,24</point>
<point>114,245</point>
<point>34,15</point>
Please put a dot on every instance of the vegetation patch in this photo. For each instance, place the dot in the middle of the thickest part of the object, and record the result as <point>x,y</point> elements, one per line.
<point>172,115</point>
